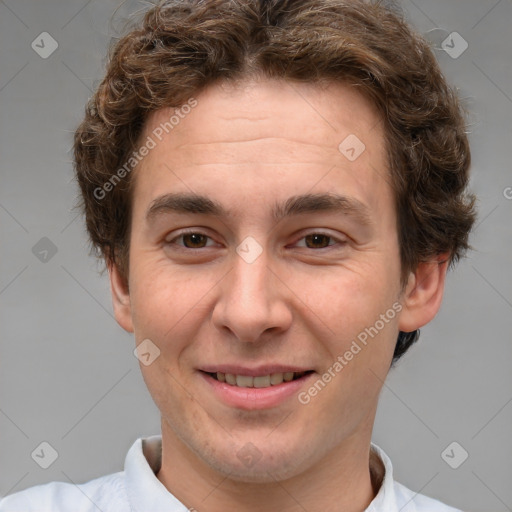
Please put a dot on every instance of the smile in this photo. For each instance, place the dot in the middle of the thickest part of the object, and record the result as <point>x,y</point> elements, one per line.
<point>265,389</point>
<point>262,381</point>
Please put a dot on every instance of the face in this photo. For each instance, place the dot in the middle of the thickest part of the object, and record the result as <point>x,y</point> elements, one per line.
<point>255,285</point>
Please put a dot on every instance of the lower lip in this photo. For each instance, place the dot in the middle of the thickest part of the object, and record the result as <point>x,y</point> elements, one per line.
<point>255,398</point>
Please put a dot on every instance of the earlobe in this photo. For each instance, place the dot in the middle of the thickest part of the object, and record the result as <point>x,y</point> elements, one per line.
<point>423,294</point>
<point>120,298</point>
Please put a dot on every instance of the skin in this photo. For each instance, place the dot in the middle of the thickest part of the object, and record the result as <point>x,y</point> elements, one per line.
<point>248,146</point>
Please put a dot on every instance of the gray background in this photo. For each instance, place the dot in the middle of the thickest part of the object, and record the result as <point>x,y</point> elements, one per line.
<point>67,372</point>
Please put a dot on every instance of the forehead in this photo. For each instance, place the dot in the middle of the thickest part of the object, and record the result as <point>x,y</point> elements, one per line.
<point>266,137</point>
<point>322,114</point>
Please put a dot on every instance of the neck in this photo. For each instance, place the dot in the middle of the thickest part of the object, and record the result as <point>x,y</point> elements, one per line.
<point>343,481</point>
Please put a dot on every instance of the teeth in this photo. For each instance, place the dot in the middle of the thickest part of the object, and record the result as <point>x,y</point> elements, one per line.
<point>244,381</point>
<point>276,378</point>
<point>263,381</point>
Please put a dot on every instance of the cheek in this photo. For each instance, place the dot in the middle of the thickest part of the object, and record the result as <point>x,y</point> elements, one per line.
<point>165,305</point>
<point>165,300</point>
<point>350,297</point>
<point>355,311</point>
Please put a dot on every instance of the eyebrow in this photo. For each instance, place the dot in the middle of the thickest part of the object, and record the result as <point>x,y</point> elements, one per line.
<point>295,205</point>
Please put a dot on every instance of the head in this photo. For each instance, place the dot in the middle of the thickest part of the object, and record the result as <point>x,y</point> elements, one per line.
<point>250,105</point>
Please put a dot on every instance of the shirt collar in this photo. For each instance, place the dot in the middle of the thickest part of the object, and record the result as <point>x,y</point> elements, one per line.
<point>385,499</point>
<point>146,492</point>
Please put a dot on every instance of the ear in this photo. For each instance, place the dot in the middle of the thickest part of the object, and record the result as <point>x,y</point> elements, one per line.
<point>423,294</point>
<point>120,298</point>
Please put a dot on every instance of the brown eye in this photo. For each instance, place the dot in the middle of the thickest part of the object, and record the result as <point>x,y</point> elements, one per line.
<point>317,241</point>
<point>194,240</point>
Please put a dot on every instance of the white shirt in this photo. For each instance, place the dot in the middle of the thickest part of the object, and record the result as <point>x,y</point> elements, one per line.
<point>137,489</point>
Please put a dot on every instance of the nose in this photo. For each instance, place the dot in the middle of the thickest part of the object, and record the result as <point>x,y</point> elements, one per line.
<point>253,301</point>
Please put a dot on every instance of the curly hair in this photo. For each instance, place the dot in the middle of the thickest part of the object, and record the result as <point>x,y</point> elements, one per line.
<point>181,46</point>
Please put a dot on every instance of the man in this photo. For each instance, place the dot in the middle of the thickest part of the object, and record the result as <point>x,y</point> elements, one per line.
<point>278,189</point>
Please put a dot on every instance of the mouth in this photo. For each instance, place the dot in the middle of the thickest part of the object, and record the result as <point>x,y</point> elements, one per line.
<point>264,388</point>
<point>260,381</point>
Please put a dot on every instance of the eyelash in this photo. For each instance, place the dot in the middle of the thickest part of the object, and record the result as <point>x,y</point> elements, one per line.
<point>195,232</point>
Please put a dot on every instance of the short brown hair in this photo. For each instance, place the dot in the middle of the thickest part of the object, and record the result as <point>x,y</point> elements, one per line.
<point>182,46</point>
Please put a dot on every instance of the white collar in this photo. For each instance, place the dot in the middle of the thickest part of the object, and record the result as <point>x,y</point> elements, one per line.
<point>145,491</point>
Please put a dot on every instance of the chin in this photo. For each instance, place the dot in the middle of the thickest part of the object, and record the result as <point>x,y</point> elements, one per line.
<point>255,465</point>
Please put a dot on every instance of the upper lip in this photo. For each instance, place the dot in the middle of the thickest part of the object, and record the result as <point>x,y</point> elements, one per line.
<point>258,371</point>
